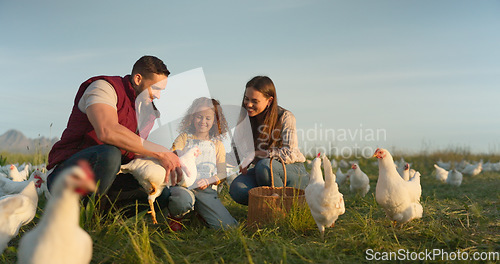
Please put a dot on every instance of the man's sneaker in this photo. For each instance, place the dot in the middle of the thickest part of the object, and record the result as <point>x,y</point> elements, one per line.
<point>175,224</point>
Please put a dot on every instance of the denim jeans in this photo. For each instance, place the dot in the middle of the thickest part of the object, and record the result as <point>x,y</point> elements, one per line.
<point>122,190</point>
<point>207,205</point>
<point>260,175</point>
<point>105,160</point>
<point>210,207</point>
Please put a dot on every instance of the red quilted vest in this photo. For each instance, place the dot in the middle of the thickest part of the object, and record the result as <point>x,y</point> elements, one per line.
<point>79,133</point>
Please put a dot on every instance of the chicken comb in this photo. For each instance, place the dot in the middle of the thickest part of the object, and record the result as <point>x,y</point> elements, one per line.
<point>319,154</point>
<point>85,166</point>
<point>38,180</point>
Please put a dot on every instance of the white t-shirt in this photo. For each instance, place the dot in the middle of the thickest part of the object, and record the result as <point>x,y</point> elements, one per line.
<point>99,91</point>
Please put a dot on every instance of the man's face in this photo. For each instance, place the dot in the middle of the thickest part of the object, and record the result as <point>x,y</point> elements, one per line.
<point>155,85</point>
<point>155,89</point>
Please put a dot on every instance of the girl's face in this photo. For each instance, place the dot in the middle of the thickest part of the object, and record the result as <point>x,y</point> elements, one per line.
<point>203,120</point>
<point>255,102</point>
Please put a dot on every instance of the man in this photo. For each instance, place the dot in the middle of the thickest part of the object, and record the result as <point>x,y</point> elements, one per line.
<point>103,130</point>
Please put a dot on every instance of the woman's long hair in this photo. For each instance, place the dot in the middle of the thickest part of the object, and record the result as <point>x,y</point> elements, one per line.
<point>269,128</point>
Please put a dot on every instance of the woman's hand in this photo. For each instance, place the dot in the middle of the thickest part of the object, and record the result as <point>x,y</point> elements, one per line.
<point>243,170</point>
<point>261,154</point>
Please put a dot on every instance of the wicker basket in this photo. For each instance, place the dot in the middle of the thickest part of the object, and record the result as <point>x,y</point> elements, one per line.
<point>266,204</point>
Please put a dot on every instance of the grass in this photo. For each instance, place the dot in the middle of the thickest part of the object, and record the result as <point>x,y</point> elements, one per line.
<point>465,218</point>
<point>12,158</point>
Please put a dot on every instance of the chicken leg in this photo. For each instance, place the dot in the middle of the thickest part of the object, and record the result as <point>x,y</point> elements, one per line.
<point>151,203</point>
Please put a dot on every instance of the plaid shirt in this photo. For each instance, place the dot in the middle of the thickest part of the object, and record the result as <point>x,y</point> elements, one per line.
<point>289,151</point>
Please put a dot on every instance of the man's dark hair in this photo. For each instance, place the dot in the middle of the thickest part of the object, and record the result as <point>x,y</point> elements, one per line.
<point>147,65</point>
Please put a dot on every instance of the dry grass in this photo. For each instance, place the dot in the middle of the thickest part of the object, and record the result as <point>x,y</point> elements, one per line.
<point>464,218</point>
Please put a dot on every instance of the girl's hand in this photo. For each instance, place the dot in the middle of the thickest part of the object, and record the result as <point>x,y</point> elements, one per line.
<point>202,184</point>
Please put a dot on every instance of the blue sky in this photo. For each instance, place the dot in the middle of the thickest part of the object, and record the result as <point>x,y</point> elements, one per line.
<point>427,72</point>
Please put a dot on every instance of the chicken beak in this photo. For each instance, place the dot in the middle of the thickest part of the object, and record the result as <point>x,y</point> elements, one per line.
<point>85,187</point>
<point>90,186</point>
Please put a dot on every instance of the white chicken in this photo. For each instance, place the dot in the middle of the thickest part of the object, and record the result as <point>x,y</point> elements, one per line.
<point>401,163</point>
<point>454,178</point>
<point>343,164</point>
<point>341,177</point>
<point>24,168</point>
<point>360,183</point>
<point>151,175</point>
<point>8,186</point>
<point>5,169</point>
<point>462,165</point>
<point>42,167</point>
<point>16,210</point>
<point>408,173</point>
<point>15,175</point>
<point>323,197</point>
<point>473,169</point>
<point>496,166</point>
<point>405,172</point>
<point>334,163</point>
<point>58,237</point>
<point>413,174</point>
<point>41,183</point>
<point>487,166</point>
<point>399,198</point>
<point>188,166</point>
<point>444,165</point>
<point>441,173</point>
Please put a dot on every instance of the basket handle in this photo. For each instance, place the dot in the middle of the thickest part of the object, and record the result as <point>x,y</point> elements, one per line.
<point>271,167</point>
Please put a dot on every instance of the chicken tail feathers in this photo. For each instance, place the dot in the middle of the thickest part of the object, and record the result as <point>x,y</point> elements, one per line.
<point>329,176</point>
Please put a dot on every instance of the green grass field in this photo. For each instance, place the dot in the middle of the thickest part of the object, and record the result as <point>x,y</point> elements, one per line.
<point>466,218</point>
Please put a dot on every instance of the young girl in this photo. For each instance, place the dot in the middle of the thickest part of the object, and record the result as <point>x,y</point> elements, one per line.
<point>204,126</point>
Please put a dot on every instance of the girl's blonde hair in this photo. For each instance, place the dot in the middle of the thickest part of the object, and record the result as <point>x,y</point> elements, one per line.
<point>218,129</point>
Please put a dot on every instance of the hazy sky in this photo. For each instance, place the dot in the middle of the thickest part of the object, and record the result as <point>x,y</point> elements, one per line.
<point>425,72</point>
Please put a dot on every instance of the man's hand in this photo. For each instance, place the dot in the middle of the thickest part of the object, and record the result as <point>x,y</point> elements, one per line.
<point>172,165</point>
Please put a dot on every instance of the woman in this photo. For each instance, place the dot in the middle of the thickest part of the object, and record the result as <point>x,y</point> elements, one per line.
<point>274,135</point>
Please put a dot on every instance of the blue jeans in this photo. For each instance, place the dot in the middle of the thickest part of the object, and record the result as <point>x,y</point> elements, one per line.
<point>123,190</point>
<point>207,205</point>
<point>105,160</point>
<point>210,207</point>
<point>260,175</point>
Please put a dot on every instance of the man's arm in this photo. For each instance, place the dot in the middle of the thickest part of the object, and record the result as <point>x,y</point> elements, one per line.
<point>104,119</point>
